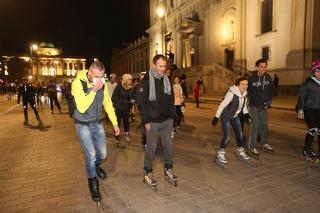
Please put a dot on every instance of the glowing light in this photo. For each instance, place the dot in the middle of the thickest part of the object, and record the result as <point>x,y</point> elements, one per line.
<point>34,47</point>
<point>161,11</point>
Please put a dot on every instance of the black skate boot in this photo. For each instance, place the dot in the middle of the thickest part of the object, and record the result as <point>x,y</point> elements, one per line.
<point>149,180</point>
<point>117,140</point>
<point>308,154</point>
<point>94,189</point>
<point>101,173</point>
<point>25,123</point>
<point>169,175</point>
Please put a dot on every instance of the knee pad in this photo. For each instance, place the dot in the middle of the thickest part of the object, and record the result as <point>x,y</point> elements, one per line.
<point>313,131</point>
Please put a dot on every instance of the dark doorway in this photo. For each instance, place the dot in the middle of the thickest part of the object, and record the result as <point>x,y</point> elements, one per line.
<point>229,58</point>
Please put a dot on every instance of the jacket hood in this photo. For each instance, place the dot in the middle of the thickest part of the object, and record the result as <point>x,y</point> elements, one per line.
<point>235,90</point>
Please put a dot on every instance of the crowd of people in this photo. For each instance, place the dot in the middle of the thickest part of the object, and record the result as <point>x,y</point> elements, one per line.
<point>160,102</point>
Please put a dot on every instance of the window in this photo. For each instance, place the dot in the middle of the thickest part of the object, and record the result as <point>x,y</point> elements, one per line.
<point>265,53</point>
<point>266,15</point>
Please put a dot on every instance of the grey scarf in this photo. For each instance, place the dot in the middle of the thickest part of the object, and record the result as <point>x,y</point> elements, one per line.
<point>152,88</point>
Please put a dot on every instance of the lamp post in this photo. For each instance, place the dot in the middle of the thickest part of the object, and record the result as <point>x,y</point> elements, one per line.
<point>33,47</point>
<point>161,13</point>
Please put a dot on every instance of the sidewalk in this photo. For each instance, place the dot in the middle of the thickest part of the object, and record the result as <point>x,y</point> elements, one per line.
<point>279,102</point>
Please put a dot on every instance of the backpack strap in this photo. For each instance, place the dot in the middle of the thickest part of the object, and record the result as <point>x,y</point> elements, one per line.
<point>84,86</point>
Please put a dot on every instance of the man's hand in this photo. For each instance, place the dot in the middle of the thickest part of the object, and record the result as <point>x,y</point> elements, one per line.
<point>214,121</point>
<point>301,115</point>
<point>116,130</point>
<point>247,118</point>
<point>98,86</point>
<point>147,126</point>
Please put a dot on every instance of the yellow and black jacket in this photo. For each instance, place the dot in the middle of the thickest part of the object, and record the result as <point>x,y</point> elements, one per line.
<point>89,105</point>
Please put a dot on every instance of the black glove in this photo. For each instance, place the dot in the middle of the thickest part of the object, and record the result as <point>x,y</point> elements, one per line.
<point>214,121</point>
<point>247,118</point>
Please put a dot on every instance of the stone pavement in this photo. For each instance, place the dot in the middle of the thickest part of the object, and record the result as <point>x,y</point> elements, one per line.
<point>43,170</point>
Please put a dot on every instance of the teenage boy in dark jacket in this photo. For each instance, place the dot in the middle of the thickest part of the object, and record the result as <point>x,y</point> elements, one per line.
<point>156,106</point>
<point>260,98</point>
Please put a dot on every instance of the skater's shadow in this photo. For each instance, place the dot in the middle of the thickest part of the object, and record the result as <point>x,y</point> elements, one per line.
<point>36,127</point>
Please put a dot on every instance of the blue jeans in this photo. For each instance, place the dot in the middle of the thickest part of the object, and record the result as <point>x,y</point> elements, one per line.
<point>226,127</point>
<point>93,142</point>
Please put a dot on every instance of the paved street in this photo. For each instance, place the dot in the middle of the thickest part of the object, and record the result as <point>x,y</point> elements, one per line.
<point>43,170</point>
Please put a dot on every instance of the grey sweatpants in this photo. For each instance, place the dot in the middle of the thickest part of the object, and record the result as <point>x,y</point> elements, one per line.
<point>164,129</point>
<point>259,126</point>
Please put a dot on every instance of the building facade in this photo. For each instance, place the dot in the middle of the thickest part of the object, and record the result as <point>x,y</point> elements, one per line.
<point>42,63</point>
<point>46,60</point>
<point>218,39</point>
<point>133,58</point>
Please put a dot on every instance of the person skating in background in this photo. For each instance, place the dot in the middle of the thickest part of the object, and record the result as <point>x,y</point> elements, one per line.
<point>260,98</point>
<point>26,91</point>
<point>308,107</point>
<point>38,94</point>
<point>122,102</point>
<point>275,84</point>
<point>183,84</point>
<point>233,104</point>
<point>156,106</point>
<point>196,93</point>
<point>178,100</point>
<point>88,121</point>
<point>112,83</point>
<point>67,90</point>
<point>53,96</point>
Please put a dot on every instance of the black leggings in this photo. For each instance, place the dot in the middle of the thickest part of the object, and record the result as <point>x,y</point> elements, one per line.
<point>54,98</point>
<point>178,117</point>
<point>123,114</point>
<point>26,102</point>
<point>312,119</point>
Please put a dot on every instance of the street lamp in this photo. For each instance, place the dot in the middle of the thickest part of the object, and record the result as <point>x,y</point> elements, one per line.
<point>161,13</point>
<point>33,47</point>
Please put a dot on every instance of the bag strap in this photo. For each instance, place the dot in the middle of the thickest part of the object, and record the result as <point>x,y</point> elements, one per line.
<point>84,86</point>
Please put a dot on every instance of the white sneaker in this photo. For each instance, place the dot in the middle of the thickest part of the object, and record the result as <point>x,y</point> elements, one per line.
<point>172,134</point>
<point>221,156</point>
<point>127,137</point>
<point>241,153</point>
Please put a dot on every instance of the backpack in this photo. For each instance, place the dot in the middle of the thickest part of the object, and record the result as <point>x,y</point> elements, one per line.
<point>72,103</point>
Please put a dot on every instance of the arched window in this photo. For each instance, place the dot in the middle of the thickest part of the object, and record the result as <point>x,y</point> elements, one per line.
<point>266,15</point>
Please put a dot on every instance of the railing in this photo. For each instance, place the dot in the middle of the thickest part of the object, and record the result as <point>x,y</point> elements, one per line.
<point>216,78</point>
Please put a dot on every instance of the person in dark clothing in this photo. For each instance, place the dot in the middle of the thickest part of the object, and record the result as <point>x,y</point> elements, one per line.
<point>275,84</point>
<point>26,91</point>
<point>52,92</point>
<point>184,86</point>
<point>260,98</point>
<point>122,102</point>
<point>156,106</point>
<point>67,90</point>
<point>308,107</point>
<point>38,94</point>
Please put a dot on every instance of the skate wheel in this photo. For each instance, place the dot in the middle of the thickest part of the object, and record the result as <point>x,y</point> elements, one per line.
<point>176,184</point>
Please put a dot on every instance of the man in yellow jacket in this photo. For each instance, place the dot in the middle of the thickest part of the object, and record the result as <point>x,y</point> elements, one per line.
<point>88,121</point>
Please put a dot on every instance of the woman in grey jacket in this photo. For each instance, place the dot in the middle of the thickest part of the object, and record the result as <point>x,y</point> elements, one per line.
<point>308,107</point>
<point>234,102</point>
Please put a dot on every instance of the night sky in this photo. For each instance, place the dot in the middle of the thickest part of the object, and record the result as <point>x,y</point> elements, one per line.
<point>81,28</point>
